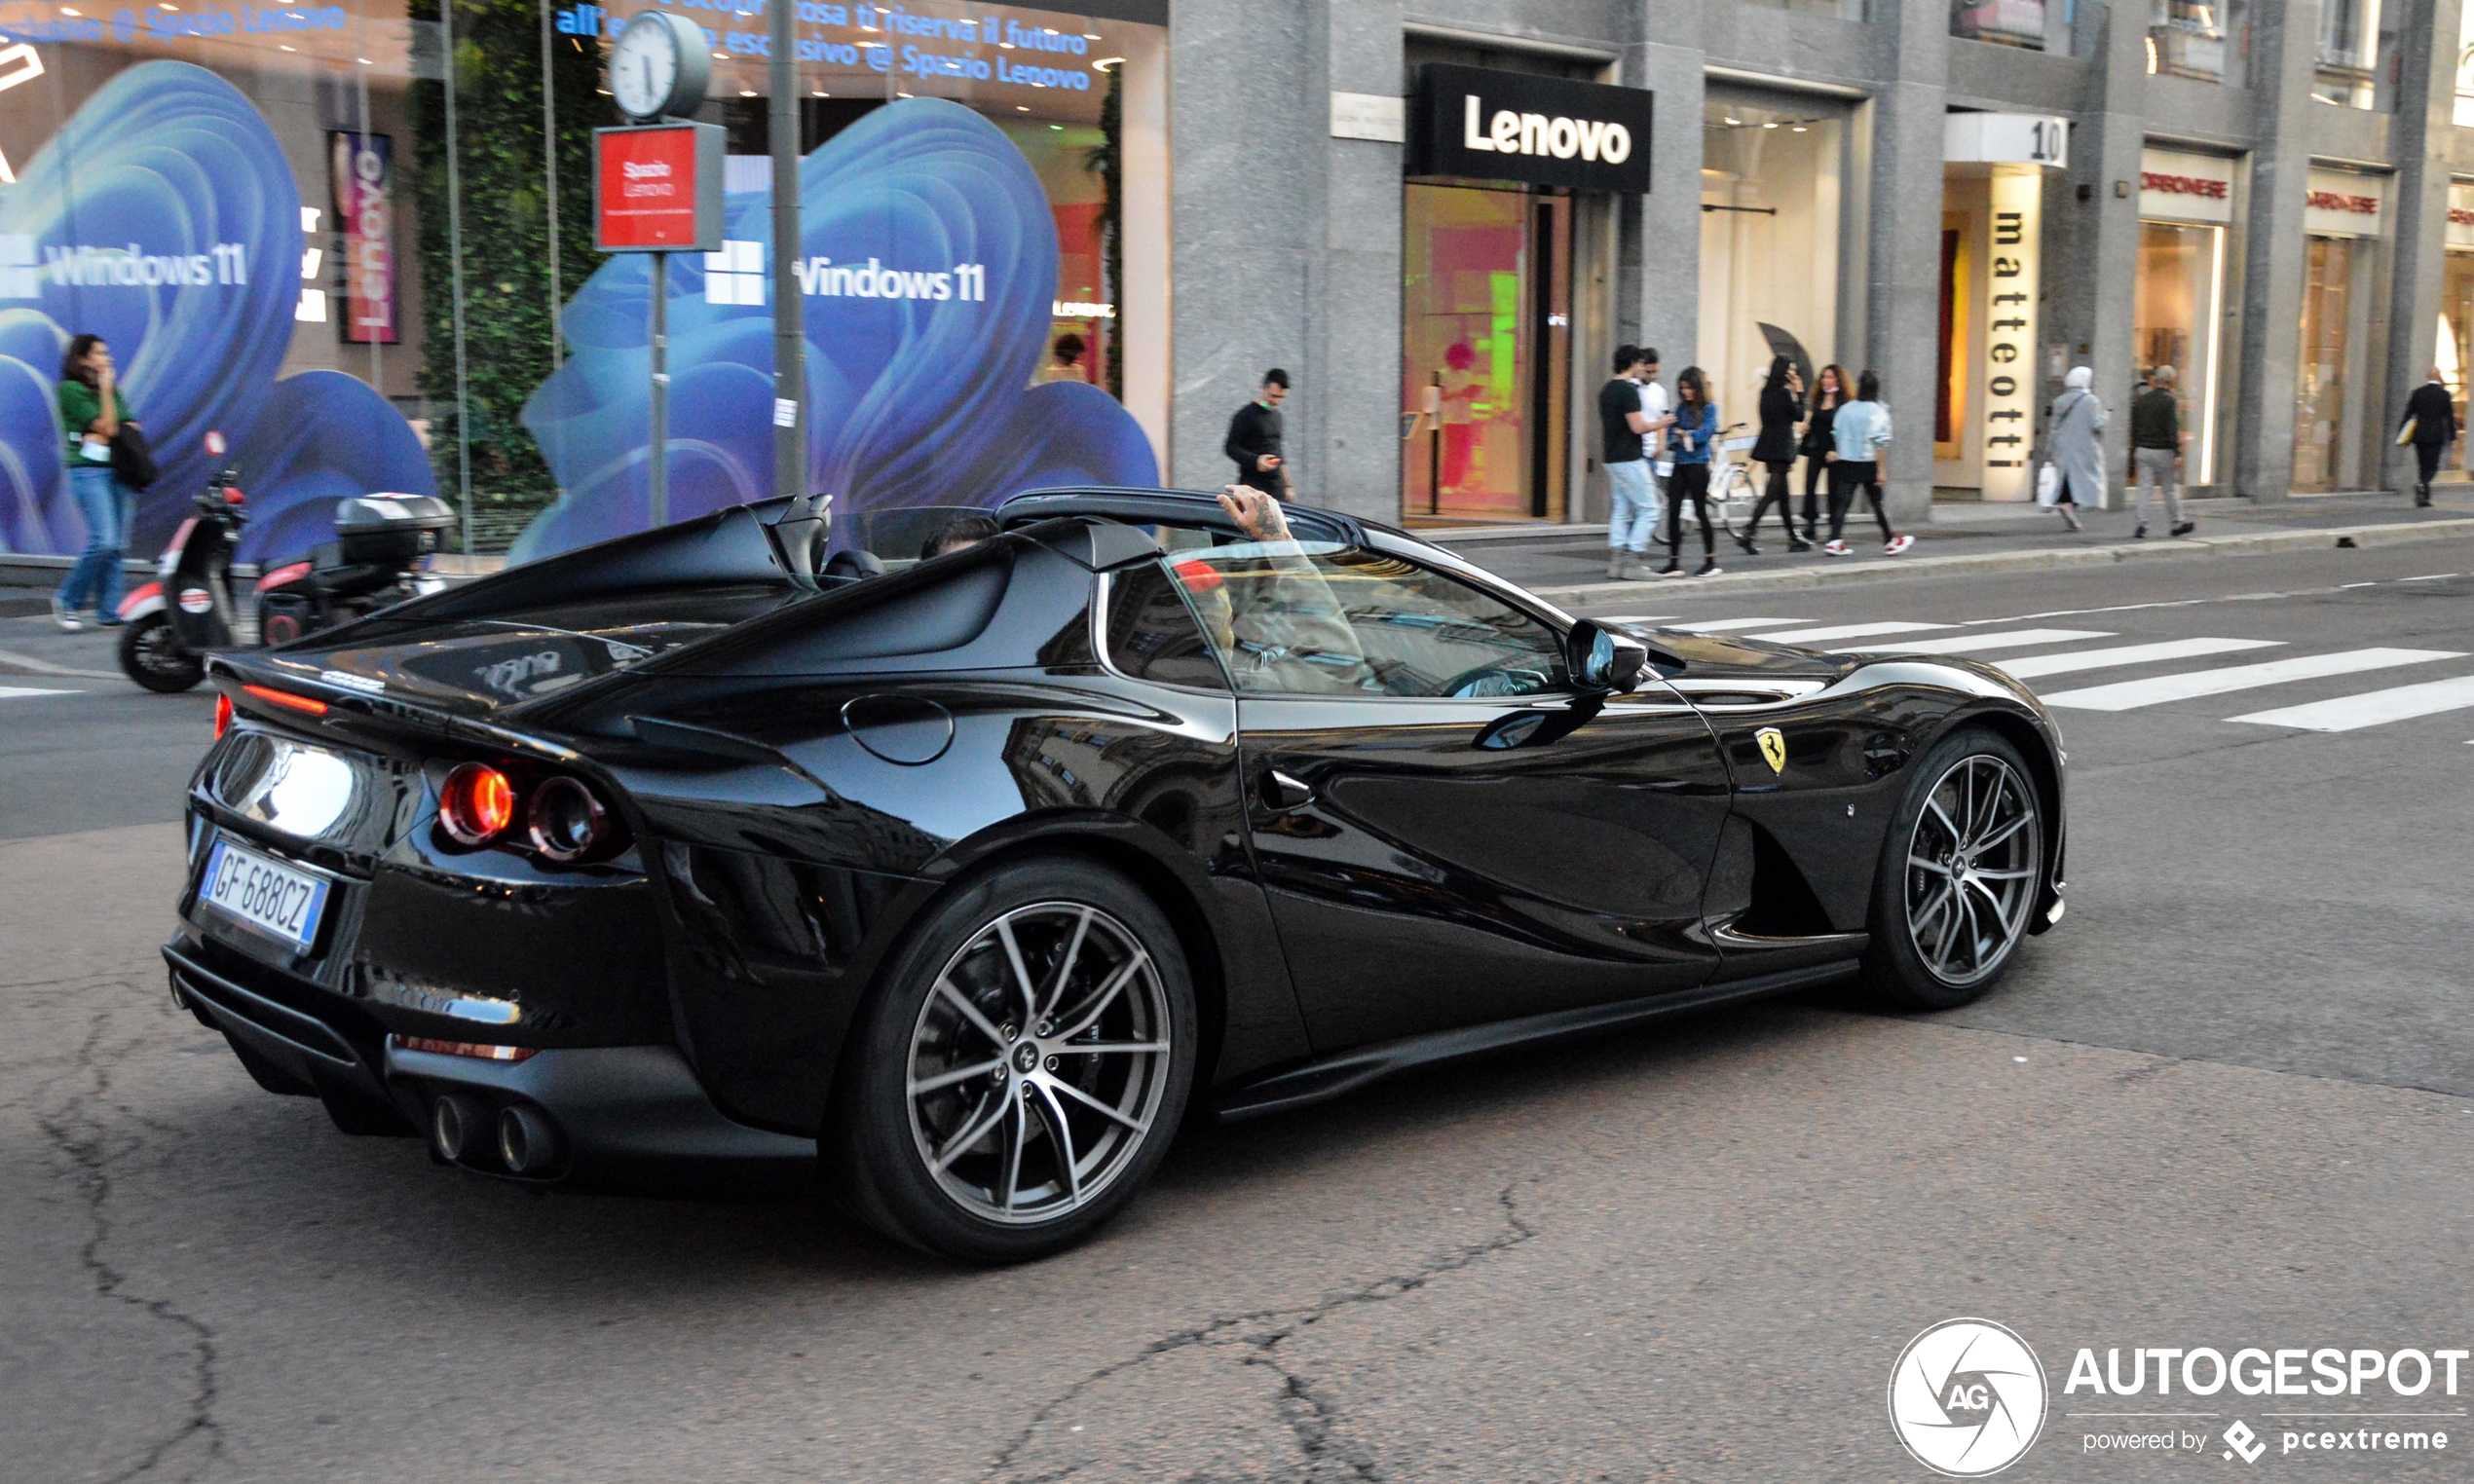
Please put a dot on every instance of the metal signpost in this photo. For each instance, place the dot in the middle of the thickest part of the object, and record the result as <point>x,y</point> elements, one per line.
<point>658,185</point>
<point>790,330</point>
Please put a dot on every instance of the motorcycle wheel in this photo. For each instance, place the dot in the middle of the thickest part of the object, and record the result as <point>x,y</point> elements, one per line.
<point>152,657</point>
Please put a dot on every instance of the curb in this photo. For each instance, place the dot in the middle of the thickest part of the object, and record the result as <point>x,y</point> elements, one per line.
<point>1895,568</point>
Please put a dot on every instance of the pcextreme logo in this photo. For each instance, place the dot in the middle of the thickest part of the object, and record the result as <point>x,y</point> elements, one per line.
<point>1968,1399</point>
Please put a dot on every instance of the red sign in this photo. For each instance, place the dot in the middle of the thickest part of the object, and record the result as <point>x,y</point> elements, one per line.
<point>2333,201</point>
<point>650,189</point>
<point>362,166</point>
<point>2182,185</point>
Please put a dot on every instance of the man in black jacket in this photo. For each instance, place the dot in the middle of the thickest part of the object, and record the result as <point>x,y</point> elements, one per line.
<point>1255,437</point>
<point>2433,415</point>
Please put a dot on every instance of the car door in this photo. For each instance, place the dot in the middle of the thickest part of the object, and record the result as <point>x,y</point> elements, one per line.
<point>1449,833</point>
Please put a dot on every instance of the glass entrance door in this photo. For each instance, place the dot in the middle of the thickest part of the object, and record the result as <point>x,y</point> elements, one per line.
<point>1485,366</point>
<point>2174,320</point>
<point>2328,383</point>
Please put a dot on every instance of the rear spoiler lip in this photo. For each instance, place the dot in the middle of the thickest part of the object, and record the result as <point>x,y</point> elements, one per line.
<point>381,708</point>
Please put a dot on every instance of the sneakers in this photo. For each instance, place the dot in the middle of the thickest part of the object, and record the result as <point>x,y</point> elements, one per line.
<point>1898,544</point>
<point>1710,568</point>
<point>1672,569</point>
<point>2070,517</point>
<point>1800,545</point>
<point>2184,528</point>
<point>1615,564</point>
<point>1835,547</point>
<point>1745,542</point>
<point>65,617</point>
<point>2141,534</point>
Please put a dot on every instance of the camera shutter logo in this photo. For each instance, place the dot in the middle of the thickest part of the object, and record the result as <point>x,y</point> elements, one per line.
<point>1968,1399</point>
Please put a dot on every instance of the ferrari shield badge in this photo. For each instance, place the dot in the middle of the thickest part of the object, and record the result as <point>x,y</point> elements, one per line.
<point>1773,748</point>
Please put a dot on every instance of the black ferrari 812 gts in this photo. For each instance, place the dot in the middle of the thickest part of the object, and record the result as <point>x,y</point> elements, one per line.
<point>967,878</point>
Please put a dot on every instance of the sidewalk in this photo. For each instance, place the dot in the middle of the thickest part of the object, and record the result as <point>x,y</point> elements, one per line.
<point>1568,564</point>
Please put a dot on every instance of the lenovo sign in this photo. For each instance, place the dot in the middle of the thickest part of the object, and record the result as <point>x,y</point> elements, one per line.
<point>659,188</point>
<point>1476,124</point>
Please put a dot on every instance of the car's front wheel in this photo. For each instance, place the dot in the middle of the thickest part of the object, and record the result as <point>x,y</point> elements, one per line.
<point>1022,1068</point>
<point>1959,875</point>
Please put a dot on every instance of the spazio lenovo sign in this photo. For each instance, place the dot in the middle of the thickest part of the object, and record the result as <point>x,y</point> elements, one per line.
<point>1476,124</point>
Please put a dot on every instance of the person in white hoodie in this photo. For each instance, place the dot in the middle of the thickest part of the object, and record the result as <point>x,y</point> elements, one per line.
<point>2071,426</point>
<point>1861,430</point>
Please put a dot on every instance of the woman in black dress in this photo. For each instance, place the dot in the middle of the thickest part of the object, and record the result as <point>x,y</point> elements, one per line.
<point>1782,406</point>
<point>1819,447</point>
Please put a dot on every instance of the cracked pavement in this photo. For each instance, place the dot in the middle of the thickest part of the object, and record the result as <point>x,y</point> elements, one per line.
<point>2230,1101</point>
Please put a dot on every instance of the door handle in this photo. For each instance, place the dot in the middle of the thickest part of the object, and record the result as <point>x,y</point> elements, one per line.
<point>1282,793</point>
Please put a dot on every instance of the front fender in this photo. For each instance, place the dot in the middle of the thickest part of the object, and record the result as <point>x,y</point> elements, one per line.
<point>138,602</point>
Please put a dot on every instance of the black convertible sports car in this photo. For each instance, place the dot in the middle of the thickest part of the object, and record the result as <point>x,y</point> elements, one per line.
<point>736,841</point>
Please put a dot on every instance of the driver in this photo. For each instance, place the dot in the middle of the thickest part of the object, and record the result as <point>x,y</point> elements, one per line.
<point>1270,613</point>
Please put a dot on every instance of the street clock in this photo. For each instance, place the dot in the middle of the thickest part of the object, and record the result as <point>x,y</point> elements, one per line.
<point>658,67</point>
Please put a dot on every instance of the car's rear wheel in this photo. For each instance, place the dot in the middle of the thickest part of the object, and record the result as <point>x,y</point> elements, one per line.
<point>1959,875</point>
<point>1022,1068</point>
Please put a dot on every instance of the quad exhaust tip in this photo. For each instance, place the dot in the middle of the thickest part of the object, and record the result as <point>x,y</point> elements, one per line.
<point>527,1143</point>
<point>455,1124</point>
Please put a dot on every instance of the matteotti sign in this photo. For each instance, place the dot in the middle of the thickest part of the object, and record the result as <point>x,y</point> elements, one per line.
<point>1478,124</point>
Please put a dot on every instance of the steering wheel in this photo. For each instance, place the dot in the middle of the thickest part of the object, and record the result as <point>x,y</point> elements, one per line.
<point>1512,678</point>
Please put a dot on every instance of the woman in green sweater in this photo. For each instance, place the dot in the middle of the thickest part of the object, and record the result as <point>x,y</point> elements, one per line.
<point>91,411</point>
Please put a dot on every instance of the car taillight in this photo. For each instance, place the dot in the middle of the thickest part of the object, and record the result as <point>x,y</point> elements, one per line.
<point>477,805</point>
<point>308,705</point>
<point>222,714</point>
<point>564,821</point>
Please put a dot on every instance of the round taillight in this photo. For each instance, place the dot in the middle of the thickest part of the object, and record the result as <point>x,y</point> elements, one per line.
<point>565,820</point>
<point>222,714</point>
<point>476,805</point>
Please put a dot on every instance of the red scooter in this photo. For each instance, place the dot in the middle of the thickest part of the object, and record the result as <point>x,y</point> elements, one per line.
<point>382,542</point>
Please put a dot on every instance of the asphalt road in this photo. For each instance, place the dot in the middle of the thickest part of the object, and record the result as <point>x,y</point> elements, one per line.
<point>2230,1101</point>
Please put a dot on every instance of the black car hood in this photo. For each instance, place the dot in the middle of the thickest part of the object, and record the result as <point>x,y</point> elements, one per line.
<point>1710,656</point>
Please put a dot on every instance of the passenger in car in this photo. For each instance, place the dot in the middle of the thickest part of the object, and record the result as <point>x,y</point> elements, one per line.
<point>961,534</point>
<point>1277,623</point>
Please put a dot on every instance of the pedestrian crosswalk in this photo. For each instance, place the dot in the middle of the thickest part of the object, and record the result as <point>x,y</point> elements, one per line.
<point>19,692</point>
<point>2179,670</point>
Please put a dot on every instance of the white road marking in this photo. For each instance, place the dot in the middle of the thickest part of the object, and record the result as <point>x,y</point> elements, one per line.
<point>2372,708</point>
<point>2035,665</point>
<point>2124,695</point>
<point>1730,625</point>
<point>1850,631</point>
<point>1633,618</point>
<point>2432,576</point>
<point>12,693</point>
<point>1967,644</point>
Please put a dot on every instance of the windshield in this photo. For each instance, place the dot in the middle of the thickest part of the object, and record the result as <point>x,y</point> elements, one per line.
<point>897,537</point>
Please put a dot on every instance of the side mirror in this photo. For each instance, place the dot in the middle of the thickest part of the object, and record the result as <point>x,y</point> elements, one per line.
<point>1603,660</point>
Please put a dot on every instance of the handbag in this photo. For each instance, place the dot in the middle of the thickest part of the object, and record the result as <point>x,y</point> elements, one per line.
<point>133,457</point>
<point>2405,434</point>
<point>2048,484</point>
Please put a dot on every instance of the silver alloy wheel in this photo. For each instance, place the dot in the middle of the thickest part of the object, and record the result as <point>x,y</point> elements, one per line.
<point>1038,1061</point>
<point>1971,869</point>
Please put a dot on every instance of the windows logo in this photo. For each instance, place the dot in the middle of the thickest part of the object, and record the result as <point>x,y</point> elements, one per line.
<point>20,278</point>
<point>735,274</point>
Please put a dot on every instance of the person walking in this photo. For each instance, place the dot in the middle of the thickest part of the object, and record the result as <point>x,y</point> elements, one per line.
<point>1696,429</point>
<point>2155,449</point>
<point>2076,453</point>
<point>1860,431</point>
<point>1781,408</point>
<point>1829,391</point>
<point>1631,516</point>
<point>1255,436</point>
<point>2432,415</point>
<point>93,410</point>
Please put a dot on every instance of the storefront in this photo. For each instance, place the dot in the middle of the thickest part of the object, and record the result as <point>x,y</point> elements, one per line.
<point>2336,390</point>
<point>1773,188</point>
<point>2453,350</point>
<point>1505,212</point>
<point>1988,390</point>
<point>256,208</point>
<point>2185,218</point>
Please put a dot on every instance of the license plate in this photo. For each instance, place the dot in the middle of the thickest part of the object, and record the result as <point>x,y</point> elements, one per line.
<point>263,893</point>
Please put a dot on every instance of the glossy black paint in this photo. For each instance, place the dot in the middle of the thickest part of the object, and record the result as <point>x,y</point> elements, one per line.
<point>799,767</point>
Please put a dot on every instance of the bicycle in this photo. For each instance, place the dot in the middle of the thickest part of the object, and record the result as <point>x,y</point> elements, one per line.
<point>1733,495</point>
